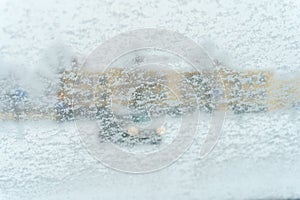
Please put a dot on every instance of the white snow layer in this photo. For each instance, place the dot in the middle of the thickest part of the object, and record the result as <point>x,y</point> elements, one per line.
<point>258,154</point>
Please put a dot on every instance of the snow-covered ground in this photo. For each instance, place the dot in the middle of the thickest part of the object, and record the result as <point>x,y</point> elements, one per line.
<point>258,154</point>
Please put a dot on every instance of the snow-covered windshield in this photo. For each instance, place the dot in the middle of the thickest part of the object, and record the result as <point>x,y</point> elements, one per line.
<point>149,99</point>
